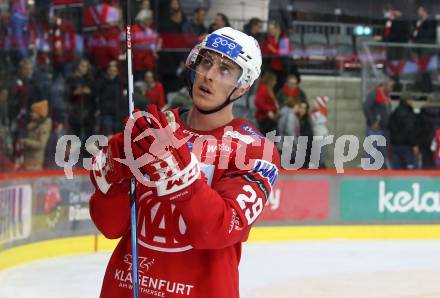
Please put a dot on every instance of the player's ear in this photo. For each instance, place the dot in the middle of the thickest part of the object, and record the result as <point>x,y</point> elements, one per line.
<point>239,92</point>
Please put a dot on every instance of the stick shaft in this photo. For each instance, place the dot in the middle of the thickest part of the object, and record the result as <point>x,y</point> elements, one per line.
<point>133,211</point>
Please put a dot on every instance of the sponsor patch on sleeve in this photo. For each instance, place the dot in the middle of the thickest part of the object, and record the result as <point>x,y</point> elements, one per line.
<point>266,169</point>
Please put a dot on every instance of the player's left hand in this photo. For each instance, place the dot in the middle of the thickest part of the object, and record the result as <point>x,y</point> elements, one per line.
<point>161,147</point>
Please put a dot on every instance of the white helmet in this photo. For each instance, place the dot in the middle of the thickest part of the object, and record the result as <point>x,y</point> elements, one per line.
<point>237,46</point>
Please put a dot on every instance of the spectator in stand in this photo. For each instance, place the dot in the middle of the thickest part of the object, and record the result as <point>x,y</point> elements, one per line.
<point>96,44</point>
<point>5,132</point>
<point>291,88</point>
<point>62,36</point>
<point>58,130</point>
<point>435,148</point>
<point>172,59</point>
<point>6,163</point>
<point>318,116</point>
<point>425,32</point>
<point>4,51</point>
<point>397,29</point>
<point>402,128</point>
<point>254,28</point>
<point>113,37</point>
<point>96,13</point>
<point>275,47</point>
<point>24,90</point>
<point>266,104</point>
<point>108,95</point>
<point>145,44</point>
<point>41,40</point>
<point>220,21</point>
<point>245,107</point>
<point>38,132</point>
<point>139,98</point>
<point>428,121</point>
<point>195,28</point>
<point>145,4</point>
<point>179,99</point>
<point>4,116</point>
<point>165,7</point>
<point>155,92</point>
<point>288,128</point>
<point>306,130</point>
<point>377,110</point>
<point>18,39</point>
<point>81,102</point>
<point>281,12</point>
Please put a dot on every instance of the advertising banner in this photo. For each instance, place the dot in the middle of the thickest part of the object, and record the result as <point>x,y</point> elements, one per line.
<point>15,213</point>
<point>298,200</point>
<point>391,199</point>
<point>43,208</point>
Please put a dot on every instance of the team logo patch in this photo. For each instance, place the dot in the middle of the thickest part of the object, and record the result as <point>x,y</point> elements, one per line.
<point>224,45</point>
<point>266,170</point>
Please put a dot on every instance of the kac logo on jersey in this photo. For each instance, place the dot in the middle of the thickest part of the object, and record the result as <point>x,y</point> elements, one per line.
<point>224,45</point>
<point>266,169</point>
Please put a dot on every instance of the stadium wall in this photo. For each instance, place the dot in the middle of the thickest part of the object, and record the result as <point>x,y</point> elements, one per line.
<point>43,214</point>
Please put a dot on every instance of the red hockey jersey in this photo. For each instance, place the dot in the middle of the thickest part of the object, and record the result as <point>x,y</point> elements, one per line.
<point>192,248</point>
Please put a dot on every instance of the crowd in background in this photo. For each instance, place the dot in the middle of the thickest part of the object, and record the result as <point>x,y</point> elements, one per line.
<point>63,75</point>
<point>412,135</point>
<point>401,29</point>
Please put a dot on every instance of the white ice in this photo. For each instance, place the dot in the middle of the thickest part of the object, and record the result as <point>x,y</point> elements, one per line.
<point>296,269</point>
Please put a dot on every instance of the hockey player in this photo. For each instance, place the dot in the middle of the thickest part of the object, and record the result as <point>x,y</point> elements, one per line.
<point>202,197</point>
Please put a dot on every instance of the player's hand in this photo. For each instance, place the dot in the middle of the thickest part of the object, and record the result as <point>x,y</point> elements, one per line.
<point>162,155</point>
<point>107,170</point>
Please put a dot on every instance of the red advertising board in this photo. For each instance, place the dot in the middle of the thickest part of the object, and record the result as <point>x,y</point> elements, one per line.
<point>298,200</point>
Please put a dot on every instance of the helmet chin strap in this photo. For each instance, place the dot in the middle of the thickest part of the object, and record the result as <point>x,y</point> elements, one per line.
<point>214,110</point>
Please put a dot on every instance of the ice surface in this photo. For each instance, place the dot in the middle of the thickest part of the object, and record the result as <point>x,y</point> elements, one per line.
<point>295,269</point>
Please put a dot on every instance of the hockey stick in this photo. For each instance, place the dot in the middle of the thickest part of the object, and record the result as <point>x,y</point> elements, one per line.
<point>133,213</point>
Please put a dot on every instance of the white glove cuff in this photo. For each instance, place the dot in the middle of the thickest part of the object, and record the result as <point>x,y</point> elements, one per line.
<point>98,168</point>
<point>181,180</point>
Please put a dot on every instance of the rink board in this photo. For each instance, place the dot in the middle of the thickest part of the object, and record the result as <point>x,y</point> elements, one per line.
<point>44,214</point>
<point>98,243</point>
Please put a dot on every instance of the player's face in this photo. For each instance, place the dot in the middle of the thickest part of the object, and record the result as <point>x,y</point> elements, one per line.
<point>216,77</point>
